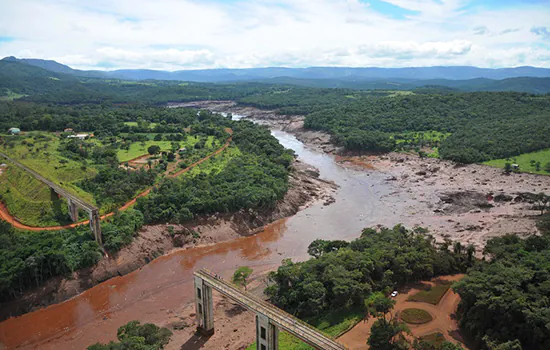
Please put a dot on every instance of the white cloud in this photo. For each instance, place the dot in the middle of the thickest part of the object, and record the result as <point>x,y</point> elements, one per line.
<point>189,34</point>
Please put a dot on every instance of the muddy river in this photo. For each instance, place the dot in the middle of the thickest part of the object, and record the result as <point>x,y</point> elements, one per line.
<point>363,199</point>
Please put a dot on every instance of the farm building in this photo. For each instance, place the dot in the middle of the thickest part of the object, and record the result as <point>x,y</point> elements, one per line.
<point>14,131</point>
<point>68,130</point>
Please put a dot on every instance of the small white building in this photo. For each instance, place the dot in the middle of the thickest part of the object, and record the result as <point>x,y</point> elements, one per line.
<point>79,136</point>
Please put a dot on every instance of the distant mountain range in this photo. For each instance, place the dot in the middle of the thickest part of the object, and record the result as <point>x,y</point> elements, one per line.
<point>459,78</point>
<point>331,73</point>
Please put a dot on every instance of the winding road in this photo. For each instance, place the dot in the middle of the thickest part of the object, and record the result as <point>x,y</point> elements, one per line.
<point>6,216</point>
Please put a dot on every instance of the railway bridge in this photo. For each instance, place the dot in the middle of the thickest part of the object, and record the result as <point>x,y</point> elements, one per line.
<point>269,319</point>
<point>73,201</point>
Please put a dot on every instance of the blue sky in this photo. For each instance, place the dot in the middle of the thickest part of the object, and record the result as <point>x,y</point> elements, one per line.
<point>192,34</point>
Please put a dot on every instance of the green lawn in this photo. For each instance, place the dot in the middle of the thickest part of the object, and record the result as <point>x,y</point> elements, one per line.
<point>524,162</point>
<point>432,294</point>
<point>332,324</point>
<point>415,316</point>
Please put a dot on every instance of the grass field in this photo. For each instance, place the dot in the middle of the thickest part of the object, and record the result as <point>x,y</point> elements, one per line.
<point>524,162</point>
<point>138,149</point>
<point>332,324</point>
<point>415,316</point>
<point>432,294</point>
<point>29,200</point>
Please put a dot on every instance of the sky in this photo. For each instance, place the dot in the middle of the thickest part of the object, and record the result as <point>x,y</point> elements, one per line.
<point>199,34</point>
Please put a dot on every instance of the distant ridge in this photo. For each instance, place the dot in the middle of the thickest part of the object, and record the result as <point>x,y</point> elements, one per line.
<point>333,73</point>
<point>30,77</point>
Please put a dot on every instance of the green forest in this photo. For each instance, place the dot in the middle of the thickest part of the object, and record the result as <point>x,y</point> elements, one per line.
<point>251,173</point>
<point>343,275</point>
<point>505,299</point>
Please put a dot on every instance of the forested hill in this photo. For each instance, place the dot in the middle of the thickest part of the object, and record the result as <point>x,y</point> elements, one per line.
<point>466,79</point>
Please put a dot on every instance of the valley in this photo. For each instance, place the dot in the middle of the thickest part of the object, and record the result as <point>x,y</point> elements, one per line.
<point>332,197</point>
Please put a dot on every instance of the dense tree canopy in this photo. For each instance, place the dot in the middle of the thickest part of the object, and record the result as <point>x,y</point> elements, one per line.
<point>135,336</point>
<point>343,275</point>
<point>505,300</point>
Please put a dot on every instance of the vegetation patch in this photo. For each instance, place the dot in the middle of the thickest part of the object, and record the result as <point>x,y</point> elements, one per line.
<point>534,162</point>
<point>415,316</point>
<point>29,200</point>
<point>332,324</point>
<point>432,294</point>
<point>435,340</point>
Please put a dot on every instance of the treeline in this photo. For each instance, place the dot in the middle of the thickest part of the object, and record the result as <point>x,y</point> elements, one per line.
<point>255,179</point>
<point>483,126</point>
<point>96,118</point>
<point>342,275</point>
<point>29,258</point>
<point>505,299</point>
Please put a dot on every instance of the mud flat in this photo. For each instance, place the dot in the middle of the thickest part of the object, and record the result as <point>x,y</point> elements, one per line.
<point>467,203</point>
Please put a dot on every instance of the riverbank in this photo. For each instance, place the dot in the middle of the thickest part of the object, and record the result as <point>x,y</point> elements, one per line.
<point>305,187</point>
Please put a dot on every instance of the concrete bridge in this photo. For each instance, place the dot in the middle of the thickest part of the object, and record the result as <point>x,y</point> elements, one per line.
<point>269,319</point>
<point>73,201</point>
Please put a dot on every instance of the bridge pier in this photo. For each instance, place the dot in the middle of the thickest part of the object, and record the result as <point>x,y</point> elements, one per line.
<point>73,210</point>
<point>204,307</point>
<point>267,334</point>
<point>95,226</point>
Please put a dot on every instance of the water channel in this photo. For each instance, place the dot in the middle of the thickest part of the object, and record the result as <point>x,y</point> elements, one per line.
<point>363,199</point>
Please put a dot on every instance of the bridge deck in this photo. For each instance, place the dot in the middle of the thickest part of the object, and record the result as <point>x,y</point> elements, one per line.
<point>283,320</point>
<point>81,203</point>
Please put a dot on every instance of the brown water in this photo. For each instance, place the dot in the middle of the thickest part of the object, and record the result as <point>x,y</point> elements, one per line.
<point>363,199</point>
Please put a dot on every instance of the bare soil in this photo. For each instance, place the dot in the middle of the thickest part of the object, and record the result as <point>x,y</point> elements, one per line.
<point>305,187</point>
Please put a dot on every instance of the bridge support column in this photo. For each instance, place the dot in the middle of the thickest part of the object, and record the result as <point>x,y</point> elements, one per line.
<point>204,307</point>
<point>73,210</point>
<point>267,334</point>
<point>95,226</point>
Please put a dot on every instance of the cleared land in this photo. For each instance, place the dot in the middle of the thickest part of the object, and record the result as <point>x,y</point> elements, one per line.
<point>527,162</point>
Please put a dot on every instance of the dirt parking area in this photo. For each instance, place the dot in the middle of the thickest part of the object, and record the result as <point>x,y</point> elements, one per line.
<point>442,314</point>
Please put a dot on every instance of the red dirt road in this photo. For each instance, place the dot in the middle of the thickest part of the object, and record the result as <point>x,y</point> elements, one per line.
<point>356,338</point>
<point>6,216</point>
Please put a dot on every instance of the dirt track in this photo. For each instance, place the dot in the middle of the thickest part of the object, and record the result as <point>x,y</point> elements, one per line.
<point>6,216</point>
<point>443,322</point>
